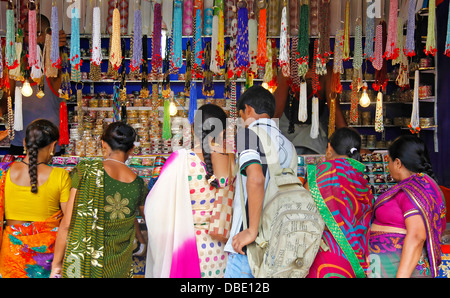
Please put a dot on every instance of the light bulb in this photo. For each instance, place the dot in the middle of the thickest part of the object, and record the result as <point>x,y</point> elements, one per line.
<point>365,100</point>
<point>173,110</point>
<point>27,91</point>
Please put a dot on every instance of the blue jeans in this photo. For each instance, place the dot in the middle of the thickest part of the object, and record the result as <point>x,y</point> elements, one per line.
<point>238,267</point>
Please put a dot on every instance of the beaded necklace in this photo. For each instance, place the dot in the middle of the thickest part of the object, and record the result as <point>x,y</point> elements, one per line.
<point>96,58</point>
<point>370,35</point>
<point>75,55</point>
<point>32,35</point>
<point>10,50</point>
<point>177,39</point>
<point>136,60</point>
<point>324,32</point>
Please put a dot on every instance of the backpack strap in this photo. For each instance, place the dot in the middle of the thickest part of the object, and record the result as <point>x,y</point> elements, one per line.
<point>332,225</point>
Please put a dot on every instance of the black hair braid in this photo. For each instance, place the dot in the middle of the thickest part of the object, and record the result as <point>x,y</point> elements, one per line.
<point>33,148</point>
<point>207,160</point>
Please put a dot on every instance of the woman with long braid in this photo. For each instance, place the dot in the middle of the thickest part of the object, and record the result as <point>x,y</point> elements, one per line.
<point>33,197</point>
<point>178,208</point>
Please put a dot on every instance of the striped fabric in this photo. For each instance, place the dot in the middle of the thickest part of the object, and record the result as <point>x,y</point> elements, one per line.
<point>349,199</point>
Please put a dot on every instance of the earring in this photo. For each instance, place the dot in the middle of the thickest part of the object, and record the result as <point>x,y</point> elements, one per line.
<point>25,151</point>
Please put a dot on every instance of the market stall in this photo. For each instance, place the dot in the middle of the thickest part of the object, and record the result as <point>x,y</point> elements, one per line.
<point>153,63</point>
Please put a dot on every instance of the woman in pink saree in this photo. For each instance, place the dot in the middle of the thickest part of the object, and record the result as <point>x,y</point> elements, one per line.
<point>409,218</point>
<point>179,205</point>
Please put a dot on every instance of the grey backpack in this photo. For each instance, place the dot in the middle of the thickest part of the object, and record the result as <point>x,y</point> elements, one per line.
<point>291,227</point>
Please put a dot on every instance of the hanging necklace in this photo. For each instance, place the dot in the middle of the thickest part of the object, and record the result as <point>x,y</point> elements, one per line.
<point>430,46</point>
<point>112,159</point>
<point>303,41</point>
<point>54,52</point>
<point>370,35</point>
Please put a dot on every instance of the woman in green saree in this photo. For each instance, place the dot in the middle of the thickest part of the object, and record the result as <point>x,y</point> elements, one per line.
<point>99,230</point>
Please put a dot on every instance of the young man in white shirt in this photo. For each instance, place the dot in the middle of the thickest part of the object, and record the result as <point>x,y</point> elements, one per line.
<point>256,107</point>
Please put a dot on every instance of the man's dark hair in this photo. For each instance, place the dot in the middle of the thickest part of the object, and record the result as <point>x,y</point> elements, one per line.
<point>259,98</point>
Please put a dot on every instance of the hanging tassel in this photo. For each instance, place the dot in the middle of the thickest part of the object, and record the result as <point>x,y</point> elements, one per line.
<point>303,105</point>
<point>97,56</point>
<point>392,51</point>
<point>167,131</point>
<point>346,48</point>
<point>50,70</point>
<point>115,53</point>
<point>284,45</point>
<point>414,126</point>
<point>198,53</point>
<point>136,61</point>
<point>63,124</point>
<point>192,101</point>
<point>18,116</point>
<point>430,46</point>
<point>303,41</point>
<point>116,104</point>
<point>177,56</point>
<point>370,36</point>
<point>410,42</point>
<point>37,71</point>
<point>253,46</point>
<point>447,41</point>
<point>75,54</point>
<point>242,60</point>
<point>261,58</point>
<point>314,133</point>
<point>11,60</point>
<point>32,36</point>
<point>324,32</point>
<point>54,56</point>
<point>379,122</point>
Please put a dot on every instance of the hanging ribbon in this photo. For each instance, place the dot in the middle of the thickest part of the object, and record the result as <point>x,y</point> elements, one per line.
<point>32,36</point>
<point>303,104</point>
<point>346,48</point>
<point>75,54</point>
<point>284,44</point>
<point>177,55</point>
<point>63,124</point>
<point>410,42</point>
<point>414,126</point>
<point>54,56</point>
<point>261,58</point>
<point>18,116</point>
<point>392,51</point>
<point>430,46</point>
<point>136,60</point>
<point>115,52</point>
<point>11,59</point>
<point>303,41</point>
<point>314,133</point>
<point>447,41</point>
<point>242,60</point>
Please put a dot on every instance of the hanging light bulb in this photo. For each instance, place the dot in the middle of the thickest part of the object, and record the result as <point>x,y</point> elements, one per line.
<point>173,110</point>
<point>365,99</point>
<point>27,91</point>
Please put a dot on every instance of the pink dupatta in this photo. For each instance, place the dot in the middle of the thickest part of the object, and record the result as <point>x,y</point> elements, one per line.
<point>172,249</point>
